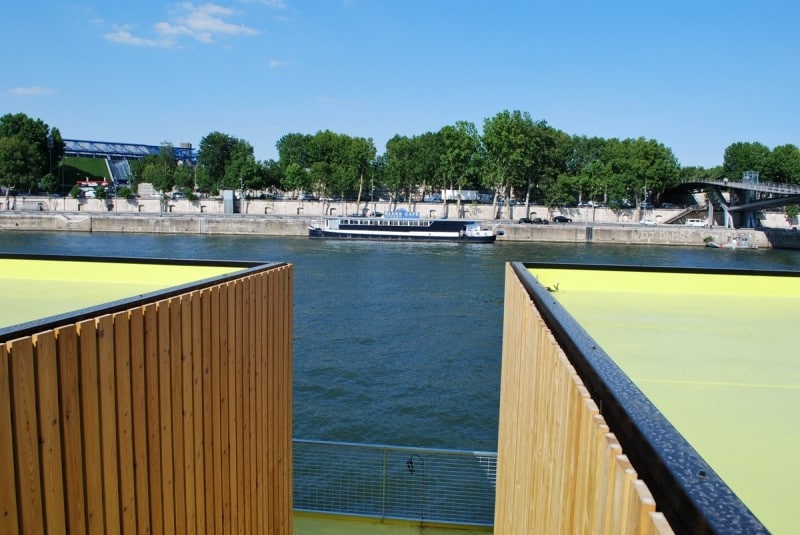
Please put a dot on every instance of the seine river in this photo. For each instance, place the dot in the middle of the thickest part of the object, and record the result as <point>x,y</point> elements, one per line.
<point>395,343</point>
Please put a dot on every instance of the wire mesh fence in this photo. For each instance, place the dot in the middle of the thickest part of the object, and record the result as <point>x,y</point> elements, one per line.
<point>419,484</point>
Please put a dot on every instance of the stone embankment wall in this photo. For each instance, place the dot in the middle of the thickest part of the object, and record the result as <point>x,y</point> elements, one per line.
<point>485,212</point>
<point>291,218</point>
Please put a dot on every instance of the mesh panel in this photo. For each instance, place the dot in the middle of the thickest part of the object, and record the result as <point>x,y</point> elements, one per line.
<point>447,486</point>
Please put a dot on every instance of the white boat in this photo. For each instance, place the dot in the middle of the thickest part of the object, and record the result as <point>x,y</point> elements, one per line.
<point>400,225</point>
<point>736,242</point>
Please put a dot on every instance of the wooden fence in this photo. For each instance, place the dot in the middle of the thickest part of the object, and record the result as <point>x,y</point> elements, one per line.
<point>559,468</point>
<point>171,417</point>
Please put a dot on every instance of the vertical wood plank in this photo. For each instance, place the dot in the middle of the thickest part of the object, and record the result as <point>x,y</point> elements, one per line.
<point>150,334</point>
<point>261,334</point>
<point>127,478</point>
<point>198,389</point>
<point>108,423</point>
<point>285,400</point>
<point>187,420</point>
<point>208,402</point>
<point>232,422</point>
<point>31,513</point>
<point>268,434</point>
<point>244,428</point>
<point>215,357</point>
<point>50,431</point>
<point>176,370</point>
<point>69,379</point>
<point>9,519</point>
<point>90,415</point>
<point>272,424</point>
<point>238,355</point>
<point>138,366</point>
<point>166,402</point>
<point>225,410</point>
<point>287,311</point>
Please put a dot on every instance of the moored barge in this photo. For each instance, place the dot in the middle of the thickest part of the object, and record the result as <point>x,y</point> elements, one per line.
<point>400,225</point>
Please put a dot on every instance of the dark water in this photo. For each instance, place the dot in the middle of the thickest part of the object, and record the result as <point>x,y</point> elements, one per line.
<point>395,343</point>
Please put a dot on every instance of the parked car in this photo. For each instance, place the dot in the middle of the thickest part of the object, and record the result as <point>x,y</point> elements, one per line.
<point>561,219</point>
<point>534,221</point>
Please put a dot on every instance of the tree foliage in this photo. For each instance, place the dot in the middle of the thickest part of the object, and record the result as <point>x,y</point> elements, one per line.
<point>327,163</point>
<point>515,157</point>
<point>741,157</point>
<point>522,155</point>
<point>29,151</point>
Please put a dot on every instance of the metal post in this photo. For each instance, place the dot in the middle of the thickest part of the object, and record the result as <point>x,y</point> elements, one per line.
<point>383,487</point>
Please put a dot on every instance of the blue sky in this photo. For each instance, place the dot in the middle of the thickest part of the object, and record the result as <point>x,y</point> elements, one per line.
<point>694,75</point>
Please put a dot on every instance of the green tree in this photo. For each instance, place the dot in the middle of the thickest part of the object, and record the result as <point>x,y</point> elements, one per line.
<point>240,168</point>
<point>361,157</point>
<point>741,157</point>
<point>462,157</point>
<point>205,182</point>
<point>213,154</point>
<point>16,163</point>
<point>35,151</point>
<point>639,168</point>
<point>586,175</point>
<point>691,173</point>
<point>294,149</point>
<point>157,169</point>
<point>271,174</point>
<point>400,165</point>
<point>296,178</point>
<point>48,183</point>
<point>183,178</point>
<point>783,165</point>
<point>520,152</point>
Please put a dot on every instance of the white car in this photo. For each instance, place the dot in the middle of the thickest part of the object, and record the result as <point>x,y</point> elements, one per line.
<point>695,223</point>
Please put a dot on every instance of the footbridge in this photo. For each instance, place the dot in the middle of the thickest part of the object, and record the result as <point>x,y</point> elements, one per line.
<point>744,198</point>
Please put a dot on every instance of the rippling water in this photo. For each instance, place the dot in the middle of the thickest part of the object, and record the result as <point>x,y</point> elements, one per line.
<point>395,343</point>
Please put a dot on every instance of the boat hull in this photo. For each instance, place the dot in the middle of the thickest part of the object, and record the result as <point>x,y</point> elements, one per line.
<point>407,236</point>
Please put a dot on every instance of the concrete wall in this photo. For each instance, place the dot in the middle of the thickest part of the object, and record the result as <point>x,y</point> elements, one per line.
<point>588,216</point>
<point>291,218</point>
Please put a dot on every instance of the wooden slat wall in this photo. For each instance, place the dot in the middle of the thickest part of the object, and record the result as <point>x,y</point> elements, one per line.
<point>559,468</point>
<point>172,417</point>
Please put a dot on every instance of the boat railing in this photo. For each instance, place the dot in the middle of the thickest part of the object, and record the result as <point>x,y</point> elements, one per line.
<point>392,482</point>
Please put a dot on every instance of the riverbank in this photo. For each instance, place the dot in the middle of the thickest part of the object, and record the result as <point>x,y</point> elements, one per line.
<point>273,225</point>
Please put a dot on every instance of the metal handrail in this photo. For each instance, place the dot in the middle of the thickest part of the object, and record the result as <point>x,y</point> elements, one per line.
<point>394,482</point>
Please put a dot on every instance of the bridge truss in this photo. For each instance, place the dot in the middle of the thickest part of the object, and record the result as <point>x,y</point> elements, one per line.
<point>747,197</point>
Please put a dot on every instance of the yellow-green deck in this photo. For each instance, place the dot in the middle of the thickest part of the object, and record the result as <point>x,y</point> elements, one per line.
<point>717,354</point>
<point>36,289</point>
<point>312,524</point>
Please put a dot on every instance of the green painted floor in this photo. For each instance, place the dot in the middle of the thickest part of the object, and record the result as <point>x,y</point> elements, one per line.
<point>326,525</point>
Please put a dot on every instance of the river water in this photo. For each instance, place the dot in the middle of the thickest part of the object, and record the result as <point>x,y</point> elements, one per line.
<point>394,343</point>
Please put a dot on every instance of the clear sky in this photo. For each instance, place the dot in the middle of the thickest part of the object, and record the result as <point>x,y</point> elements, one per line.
<point>694,75</point>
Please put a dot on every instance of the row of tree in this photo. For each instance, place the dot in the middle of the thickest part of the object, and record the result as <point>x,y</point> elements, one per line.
<point>515,156</point>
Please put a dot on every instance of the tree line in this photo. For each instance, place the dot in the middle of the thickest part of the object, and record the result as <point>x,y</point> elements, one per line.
<point>514,157</point>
